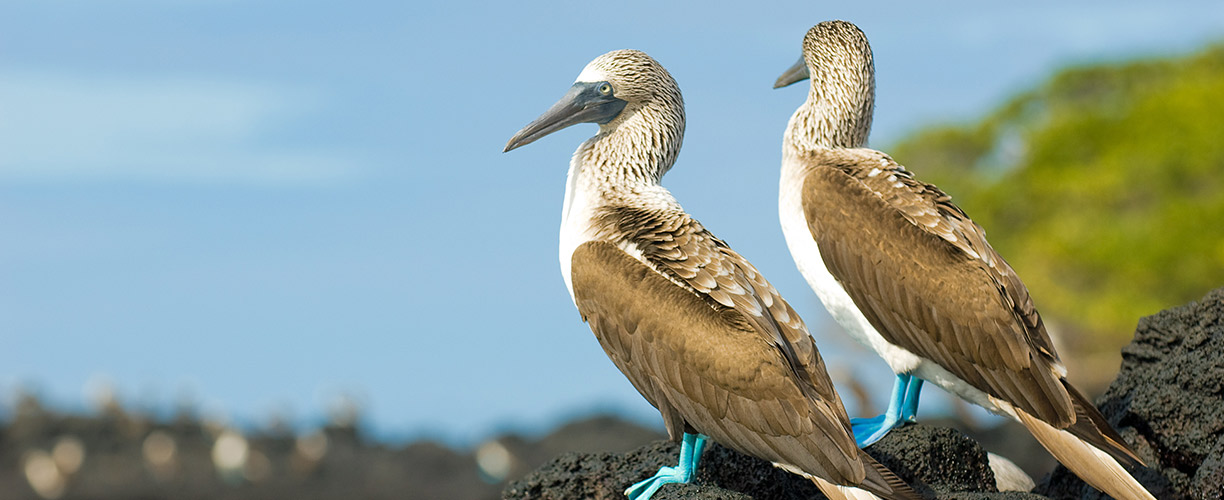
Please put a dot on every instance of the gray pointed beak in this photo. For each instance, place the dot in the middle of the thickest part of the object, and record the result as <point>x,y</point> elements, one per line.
<point>582,104</point>
<point>796,73</point>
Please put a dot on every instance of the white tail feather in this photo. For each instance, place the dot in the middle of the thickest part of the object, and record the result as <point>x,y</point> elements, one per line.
<point>1094,466</point>
<point>1008,475</point>
<point>833,491</point>
<point>838,492</point>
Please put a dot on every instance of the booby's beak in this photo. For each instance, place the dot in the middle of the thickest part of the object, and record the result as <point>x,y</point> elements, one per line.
<point>584,103</point>
<point>796,73</point>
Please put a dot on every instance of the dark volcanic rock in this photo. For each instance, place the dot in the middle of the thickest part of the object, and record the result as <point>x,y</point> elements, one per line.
<point>943,459</point>
<point>1009,439</point>
<point>592,475</point>
<point>1168,403</point>
<point>935,460</point>
<point>1209,480</point>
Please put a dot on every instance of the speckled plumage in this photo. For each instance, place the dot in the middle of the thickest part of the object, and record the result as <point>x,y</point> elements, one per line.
<point>917,267</point>
<point>908,273</point>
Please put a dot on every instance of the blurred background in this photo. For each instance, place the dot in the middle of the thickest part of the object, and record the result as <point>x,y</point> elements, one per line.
<point>261,249</point>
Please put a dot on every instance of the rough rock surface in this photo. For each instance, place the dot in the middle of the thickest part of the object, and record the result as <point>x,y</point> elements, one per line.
<point>936,460</point>
<point>1167,402</point>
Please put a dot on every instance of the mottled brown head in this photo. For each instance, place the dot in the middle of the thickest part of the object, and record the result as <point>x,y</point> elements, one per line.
<point>637,105</point>
<point>841,99</point>
<point>838,49</point>
<point>636,78</point>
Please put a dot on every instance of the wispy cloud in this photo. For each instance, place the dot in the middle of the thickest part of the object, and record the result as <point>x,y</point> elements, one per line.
<point>65,127</point>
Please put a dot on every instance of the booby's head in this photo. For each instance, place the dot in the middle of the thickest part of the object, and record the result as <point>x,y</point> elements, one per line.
<point>837,58</point>
<point>621,89</point>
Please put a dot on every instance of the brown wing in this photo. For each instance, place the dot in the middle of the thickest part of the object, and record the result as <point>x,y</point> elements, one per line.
<point>707,367</point>
<point>681,249</point>
<point>923,274</point>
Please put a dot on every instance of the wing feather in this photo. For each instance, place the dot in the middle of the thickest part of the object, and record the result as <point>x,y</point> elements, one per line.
<point>720,376</point>
<point>732,358</point>
<point>926,278</point>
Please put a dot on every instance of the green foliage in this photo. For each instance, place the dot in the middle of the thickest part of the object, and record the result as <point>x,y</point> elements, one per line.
<point>1104,187</point>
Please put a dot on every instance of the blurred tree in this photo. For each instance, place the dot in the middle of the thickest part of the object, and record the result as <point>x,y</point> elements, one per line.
<point>1104,188</point>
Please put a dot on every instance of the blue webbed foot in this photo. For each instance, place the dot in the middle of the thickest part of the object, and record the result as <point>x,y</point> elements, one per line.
<point>869,430</point>
<point>902,407</point>
<point>690,455</point>
<point>643,490</point>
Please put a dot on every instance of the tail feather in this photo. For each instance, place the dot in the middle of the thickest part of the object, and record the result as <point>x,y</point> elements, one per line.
<point>1009,476</point>
<point>879,483</point>
<point>1096,467</point>
<point>883,481</point>
<point>838,492</point>
<point>1092,427</point>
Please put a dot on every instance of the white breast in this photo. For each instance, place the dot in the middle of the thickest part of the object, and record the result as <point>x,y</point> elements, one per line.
<point>576,215</point>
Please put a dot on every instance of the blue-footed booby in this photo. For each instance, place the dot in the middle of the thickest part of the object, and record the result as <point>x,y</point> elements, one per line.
<point>693,325</point>
<point>908,274</point>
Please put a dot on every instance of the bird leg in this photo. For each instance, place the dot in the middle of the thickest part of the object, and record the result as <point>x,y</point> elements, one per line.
<point>691,447</point>
<point>913,389</point>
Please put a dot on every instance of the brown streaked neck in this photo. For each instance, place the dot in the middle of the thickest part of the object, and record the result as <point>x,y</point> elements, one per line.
<point>635,150</point>
<point>838,110</point>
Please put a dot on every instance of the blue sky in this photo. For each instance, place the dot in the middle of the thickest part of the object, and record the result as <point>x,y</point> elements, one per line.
<point>261,206</point>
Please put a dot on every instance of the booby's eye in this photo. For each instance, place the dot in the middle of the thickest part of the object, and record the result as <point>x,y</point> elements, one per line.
<point>605,88</point>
